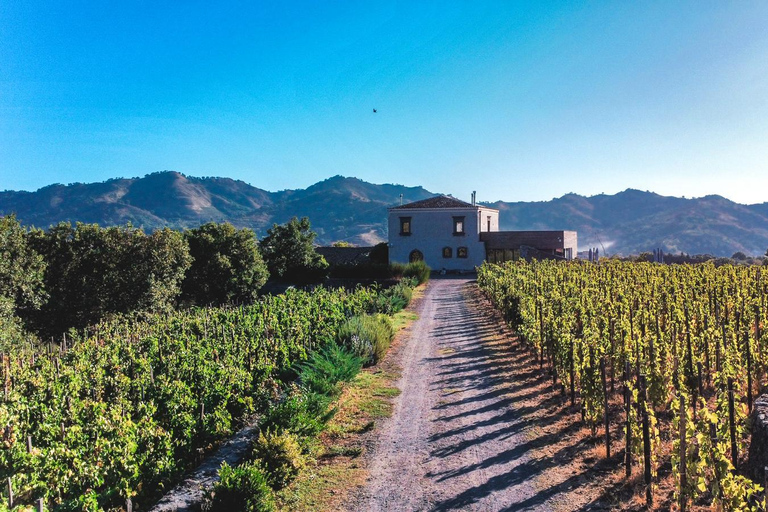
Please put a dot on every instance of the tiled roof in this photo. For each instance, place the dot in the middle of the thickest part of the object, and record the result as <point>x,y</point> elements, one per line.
<point>435,202</point>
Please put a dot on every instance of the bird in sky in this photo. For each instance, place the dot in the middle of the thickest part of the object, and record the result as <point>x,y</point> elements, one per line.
<point>374,111</point>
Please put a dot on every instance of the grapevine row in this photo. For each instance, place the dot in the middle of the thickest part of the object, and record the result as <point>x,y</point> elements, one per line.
<point>130,406</point>
<point>685,344</point>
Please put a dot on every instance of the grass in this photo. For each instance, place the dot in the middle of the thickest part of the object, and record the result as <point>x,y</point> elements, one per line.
<point>338,468</point>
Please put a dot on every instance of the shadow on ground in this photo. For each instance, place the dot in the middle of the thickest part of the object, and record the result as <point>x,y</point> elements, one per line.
<point>495,392</point>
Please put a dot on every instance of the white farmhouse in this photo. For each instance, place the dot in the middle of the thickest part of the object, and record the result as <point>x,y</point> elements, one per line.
<point>449,234</point>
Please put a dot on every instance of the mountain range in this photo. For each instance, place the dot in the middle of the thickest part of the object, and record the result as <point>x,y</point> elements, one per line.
<point>355,211</point>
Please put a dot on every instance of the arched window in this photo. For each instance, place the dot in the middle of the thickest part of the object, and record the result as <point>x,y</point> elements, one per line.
<point>461,252</point>
<point>447,252</point>
<point>415,255</point>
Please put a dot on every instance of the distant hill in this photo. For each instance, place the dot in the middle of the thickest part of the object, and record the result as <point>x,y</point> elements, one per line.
<point>353,210</point>
<point>633,221</point>
<point>340,208</point>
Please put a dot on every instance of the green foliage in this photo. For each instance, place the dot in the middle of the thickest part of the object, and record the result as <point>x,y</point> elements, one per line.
<point>130,395</point>
<point>21,281</point>
<point>226,267</point>
<point>418,270</point>
<point>327,368</point>
<point>279,453</point>
<point>243,488</point>
<point>289,252</point>
<point>367,336</point>
<point>395,298</point>
<point>12,333</point>
<point>21,268</point>
<point>397,269</point>
<point>669,323</point>
<point>93,272</point>
<point>303,413</point>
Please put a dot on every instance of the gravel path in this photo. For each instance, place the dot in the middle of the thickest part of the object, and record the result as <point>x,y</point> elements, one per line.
<point>455,441</point>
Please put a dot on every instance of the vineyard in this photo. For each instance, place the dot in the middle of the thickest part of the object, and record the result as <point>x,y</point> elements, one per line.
<point>121,410</point>
<point>680,347</point>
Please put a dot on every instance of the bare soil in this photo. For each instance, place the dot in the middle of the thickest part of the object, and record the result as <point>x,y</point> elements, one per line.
<point>479,426</point>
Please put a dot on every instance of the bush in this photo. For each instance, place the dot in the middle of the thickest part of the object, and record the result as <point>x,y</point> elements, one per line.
<point>326,368</point>
<point>280,455</point>
<point>303,413</point>
<point>367,336</point>
<point>419,270</point>
<point>395,298</point>
<point>244,487</point>
<point>397,269</point>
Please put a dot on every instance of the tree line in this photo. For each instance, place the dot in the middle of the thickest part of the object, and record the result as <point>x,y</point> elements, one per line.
<point>73,276</point>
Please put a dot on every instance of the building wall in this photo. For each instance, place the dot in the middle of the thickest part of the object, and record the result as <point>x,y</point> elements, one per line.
<point>482,219</point>
<point>432,230</point>
<point>552,241</point>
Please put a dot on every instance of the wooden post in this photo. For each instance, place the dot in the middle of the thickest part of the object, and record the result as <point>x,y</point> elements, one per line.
<point>749,372</point>
<point>759,342</point>
<point>40,505</point>
<point>29,444</point>
<point>612,353</point>
<point>128,505</point>
<point>646,440</point>
<point>713,441</point>
<point>765,488</point>
<point>628,427</point>
<point>701,381</point>
<point>605,405</point>
<point>732,424</point>
<point>10,493</point>
<point>573,375</point>
<point>541,334</point>
<point>683,440</point>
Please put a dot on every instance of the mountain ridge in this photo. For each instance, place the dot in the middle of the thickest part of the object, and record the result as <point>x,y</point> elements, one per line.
<point>353,210</point>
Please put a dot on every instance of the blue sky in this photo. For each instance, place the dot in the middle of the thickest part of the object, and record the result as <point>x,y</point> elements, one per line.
<point>517,100</point>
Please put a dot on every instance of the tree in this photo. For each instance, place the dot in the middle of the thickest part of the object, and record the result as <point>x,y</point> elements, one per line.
<point>21,268</point>
<point>94,271</point>
<point>739,256</point>
<point>290,254</point>
<point>21,281</point>
<point>227,266</point>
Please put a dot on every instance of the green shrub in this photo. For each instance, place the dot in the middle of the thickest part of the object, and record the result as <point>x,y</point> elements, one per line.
<point>303,413</point>
<point>394,298</point>
<point>419,270</point>
<point>327,368</point>
<point>367,336</point>
<point>280,455</point>
<point>245,487</point>
<point>396,269</point>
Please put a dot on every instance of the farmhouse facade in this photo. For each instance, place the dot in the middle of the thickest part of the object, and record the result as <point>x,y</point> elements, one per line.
<point>452,235</point>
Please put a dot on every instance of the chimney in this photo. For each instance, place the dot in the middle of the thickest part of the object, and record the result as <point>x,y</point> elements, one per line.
<point>474,195</point>
<point>401,199</point>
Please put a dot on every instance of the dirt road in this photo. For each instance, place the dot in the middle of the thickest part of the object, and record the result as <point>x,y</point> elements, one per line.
<point>471,430</point>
